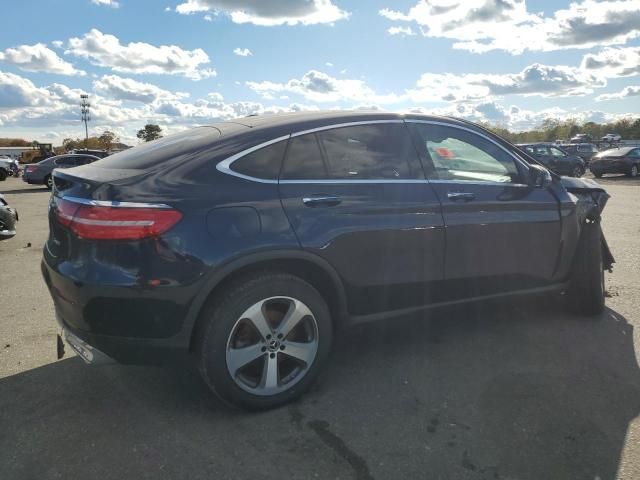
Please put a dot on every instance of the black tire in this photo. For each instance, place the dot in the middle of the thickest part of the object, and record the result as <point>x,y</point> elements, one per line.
<point>597,175</point>
<point>634,171</point>
<point>585,294</point>
<point>577,172</point>
<point>3,175</point>
<point>48,182</point>
<point>219,319</point>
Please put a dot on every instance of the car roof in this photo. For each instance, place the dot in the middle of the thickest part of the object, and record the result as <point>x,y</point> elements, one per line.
<point>74,155</point>
<point>300,121</point>
<point>618,151</point>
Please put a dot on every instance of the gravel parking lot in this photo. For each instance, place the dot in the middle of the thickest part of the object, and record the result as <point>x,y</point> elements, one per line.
<point>507,391</point>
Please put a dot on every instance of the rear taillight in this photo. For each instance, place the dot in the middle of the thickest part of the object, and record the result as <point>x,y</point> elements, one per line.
<point>120,221</point>
<point>30,168</point>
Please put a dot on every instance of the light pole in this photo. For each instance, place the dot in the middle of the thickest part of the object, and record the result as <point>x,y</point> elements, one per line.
<point>84,109</point>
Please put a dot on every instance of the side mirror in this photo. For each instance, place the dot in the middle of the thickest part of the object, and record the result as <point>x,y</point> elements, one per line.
<point>539,177</point>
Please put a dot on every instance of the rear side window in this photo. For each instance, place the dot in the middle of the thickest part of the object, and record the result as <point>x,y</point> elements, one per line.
<point>263,163</point>
<point>65,161</point>
<point>363,152</point>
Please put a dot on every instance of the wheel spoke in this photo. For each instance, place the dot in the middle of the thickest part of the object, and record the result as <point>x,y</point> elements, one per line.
<point>239,357</point>
<point>257,318</point>
<point>270,372</point>
<point>297,311</point>
<point>304,352</point>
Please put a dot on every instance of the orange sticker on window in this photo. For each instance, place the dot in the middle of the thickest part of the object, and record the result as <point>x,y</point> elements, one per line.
<point>445,152</point>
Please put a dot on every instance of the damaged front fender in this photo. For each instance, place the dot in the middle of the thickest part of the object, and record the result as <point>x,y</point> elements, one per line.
<point>591,199</point>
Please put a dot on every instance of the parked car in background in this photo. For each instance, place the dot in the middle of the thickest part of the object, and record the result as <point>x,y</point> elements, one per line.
<point>9,167</point>
<point>8,219</point>
<point>95,153</point>
<point>252,242</point>
<point>611,138</point>
<point>5,168</point>
<point>556,159</point>
<point>581,138</point>
<point>586,151</point>
<point>617,160</point>
<point>40,173</point>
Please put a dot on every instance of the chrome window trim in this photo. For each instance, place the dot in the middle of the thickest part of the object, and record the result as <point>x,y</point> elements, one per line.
<point>225,165</point>
<point>113,204</point>
<point>479,182</point>
<point>347,181</point>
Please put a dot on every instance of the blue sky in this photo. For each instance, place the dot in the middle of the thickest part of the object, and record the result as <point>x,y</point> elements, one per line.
<point>180,63</point>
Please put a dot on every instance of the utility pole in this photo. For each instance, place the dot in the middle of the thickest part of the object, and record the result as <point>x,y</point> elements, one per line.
<point>84,109</point>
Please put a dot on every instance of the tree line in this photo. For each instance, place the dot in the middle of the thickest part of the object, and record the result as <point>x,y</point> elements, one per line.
<point>552,129</point>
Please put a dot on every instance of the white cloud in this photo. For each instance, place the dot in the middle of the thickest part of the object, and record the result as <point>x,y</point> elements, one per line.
<point>269,13</point>
<point>18,92</point>
<point>208,18</point>
<point>107,3</point>
<point>320,87</point>
<point>242,52</point>
<point>485,25</point>
<point>328,64</point>
<point>630,91</point>
<point>536,79</point>
<point>404,31</point>
<point>57,43</point>
<point>120,88</point>
<point>38,58</point>
<point>613,62</point>
<point>105,50</point>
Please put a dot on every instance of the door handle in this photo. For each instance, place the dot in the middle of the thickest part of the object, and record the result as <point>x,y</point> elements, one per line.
<point>461,196</point>
<point>321,201</point>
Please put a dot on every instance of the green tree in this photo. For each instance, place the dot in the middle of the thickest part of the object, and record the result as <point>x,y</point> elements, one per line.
<point>107,139</point>
<point>149,132</point>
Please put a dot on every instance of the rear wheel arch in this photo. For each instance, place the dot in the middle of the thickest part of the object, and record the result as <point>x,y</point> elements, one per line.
<point>309,267</point>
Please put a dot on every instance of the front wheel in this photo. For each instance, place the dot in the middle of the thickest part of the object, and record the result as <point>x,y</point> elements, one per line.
<point>578,171</point>
<point>634,171</point>
<point>585,294</point>
<point>48,182</point>
<point>264,340</point>
<point>3,175</point>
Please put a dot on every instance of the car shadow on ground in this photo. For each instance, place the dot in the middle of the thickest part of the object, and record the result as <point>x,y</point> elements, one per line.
<point>502,391</point>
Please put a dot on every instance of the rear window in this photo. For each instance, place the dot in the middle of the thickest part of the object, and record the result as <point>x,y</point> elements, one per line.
<point>154,153</point>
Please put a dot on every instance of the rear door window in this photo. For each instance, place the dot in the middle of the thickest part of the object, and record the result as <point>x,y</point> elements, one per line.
<point>370,152</point>
<point>65,162</point>
<point>304,159</point>
<point>362,152</point>
<point>556,152</point>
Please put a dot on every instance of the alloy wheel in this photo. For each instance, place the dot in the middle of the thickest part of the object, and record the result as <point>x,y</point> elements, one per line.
<point>634,171</point>
<point>272,346</point>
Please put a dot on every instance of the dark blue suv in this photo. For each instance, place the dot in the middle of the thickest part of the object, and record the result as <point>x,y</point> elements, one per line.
<point>250,242</point>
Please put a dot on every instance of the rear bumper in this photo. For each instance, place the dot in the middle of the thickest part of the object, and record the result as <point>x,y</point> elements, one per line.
<point>83,329</point>
<point>610,168</point>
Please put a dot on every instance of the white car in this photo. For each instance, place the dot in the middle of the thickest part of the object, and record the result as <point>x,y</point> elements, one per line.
<point>611,137</point>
